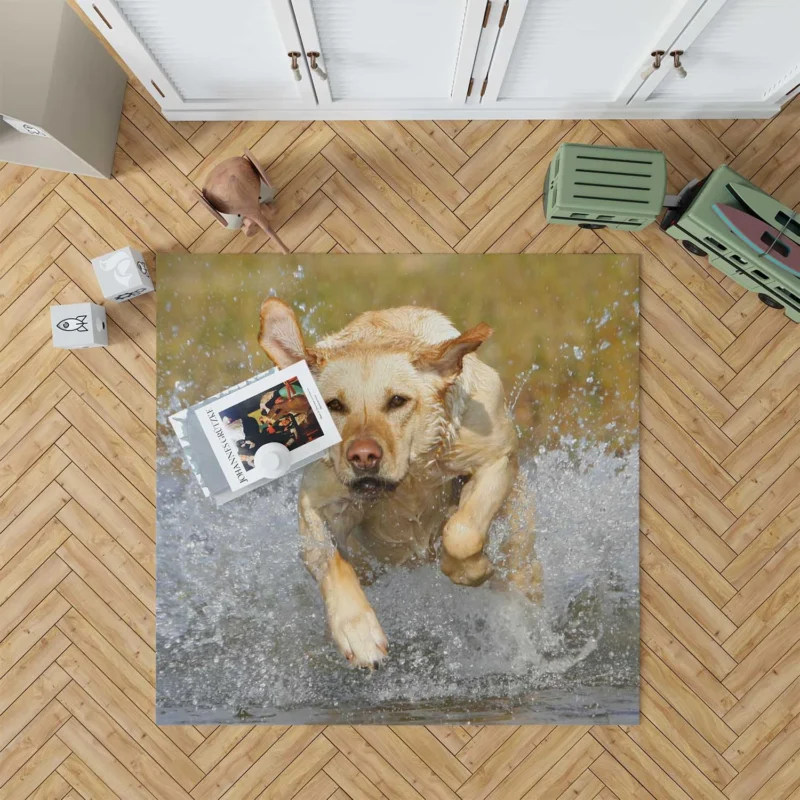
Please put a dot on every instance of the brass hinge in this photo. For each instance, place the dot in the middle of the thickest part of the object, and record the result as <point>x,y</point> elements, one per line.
<point>485,82</point>
<point>503,15</point>
<point>487,12</point>
<point>469,88</point>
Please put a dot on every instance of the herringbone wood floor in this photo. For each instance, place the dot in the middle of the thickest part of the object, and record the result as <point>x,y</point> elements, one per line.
<point>720,500</point>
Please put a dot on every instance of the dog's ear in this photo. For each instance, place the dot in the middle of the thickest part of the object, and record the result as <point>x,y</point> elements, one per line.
<point>447,358</point>
<point>280,336</point>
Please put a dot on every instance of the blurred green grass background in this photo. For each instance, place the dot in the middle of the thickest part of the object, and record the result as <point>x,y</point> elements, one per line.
<point>565,326</point>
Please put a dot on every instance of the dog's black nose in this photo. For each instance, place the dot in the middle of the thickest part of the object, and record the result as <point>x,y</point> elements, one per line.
<point>365,455</point>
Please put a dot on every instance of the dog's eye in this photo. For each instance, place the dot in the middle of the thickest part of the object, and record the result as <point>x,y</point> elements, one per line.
<point>396,401</point>
<point>335,404</point>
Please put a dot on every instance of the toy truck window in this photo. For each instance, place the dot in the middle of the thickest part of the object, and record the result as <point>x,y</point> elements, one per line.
<point>791,225</point>
<point>781,248</point>
<point>714,243</point>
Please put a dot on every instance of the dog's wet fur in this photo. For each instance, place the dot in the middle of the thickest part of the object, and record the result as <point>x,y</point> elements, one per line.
<point>420,415</point>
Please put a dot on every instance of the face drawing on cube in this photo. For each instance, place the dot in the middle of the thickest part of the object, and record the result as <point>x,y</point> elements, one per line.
<point>122,274</point>
<point>121,266</point>
<point>282,414</point>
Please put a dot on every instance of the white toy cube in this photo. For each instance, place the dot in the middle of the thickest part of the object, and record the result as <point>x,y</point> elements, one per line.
<point>78,325</point>
<point>122,274</point>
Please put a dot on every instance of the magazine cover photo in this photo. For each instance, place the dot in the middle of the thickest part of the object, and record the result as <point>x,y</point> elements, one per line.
<point>464,547</point>
<point>281,414</point>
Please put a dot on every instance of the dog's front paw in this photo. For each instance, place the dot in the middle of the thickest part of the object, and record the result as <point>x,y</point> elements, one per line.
<point>472,571</point>
<point>461,540</point>
<point>360,638</point>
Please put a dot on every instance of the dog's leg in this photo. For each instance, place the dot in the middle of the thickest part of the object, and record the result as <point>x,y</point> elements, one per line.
<point>351,620</point>
<point>465,533</point>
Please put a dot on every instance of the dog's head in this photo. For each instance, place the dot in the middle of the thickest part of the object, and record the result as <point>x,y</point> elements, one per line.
<point>386,394</point>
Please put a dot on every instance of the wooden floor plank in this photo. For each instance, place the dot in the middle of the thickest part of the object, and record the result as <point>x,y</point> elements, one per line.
<point>159,131</point>
<point>102,545</point>
<point>406,216</point>
<point>30,267</point>
<point>675,583</point>
<point>35,552</point>
<point>12,176</point>
<point>437,143</point>
<point>123,638</point>
<point>84,782</point>
<point>351,780</point>
<point>120,744</point>
<point>103,473</point>
<point>684,556</point>
<point>764,619</point>
<point>672,436</point>
<point>105,767</point>
<point>36,770</point>
<point>35,735</point>
<point>476,133</point>
<point>134,610</point>
<point>31,593</point>
<point>682,735</point>
<point>695,680</point>
<point>759,586</point>
<point>31,629</point>
<point>417,159</point>
<point>152,197</point>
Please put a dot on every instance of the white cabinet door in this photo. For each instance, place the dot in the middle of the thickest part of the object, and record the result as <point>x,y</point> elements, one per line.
<point>206,53</point>
<point>735,51</point>
<point>410,54</point>
<point>578,53</point>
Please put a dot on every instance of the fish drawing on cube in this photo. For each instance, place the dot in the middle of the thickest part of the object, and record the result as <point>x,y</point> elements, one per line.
<point>122,275</point>
<point>78,325</point>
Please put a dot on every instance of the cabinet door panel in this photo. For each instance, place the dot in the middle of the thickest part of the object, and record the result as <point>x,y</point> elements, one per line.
<point>578,50</point>
<point>230,54</point>
<point>387,52</point>
<point>747,52</point>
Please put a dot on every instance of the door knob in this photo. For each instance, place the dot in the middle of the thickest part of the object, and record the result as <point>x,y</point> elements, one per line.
<point>317,70</point>
<point>676,58</point>
<point>295,67</point>
<point>657,56</point>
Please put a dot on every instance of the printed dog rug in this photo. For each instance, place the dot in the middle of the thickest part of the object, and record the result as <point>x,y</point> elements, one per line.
<point>466,553</point>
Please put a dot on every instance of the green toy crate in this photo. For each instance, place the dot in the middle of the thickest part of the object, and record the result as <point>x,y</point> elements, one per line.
<point>702,232</point>
<point>605,187</point>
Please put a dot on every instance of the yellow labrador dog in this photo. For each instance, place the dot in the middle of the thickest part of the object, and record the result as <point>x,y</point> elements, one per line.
<point>428,450</point>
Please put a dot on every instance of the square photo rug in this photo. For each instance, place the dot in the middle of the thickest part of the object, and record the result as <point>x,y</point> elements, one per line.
<point>465,548</point>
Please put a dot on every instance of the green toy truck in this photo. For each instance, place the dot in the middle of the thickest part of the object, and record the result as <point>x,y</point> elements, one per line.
<point>702,232</point>
<point>612,187</point>
<point>605,187</point>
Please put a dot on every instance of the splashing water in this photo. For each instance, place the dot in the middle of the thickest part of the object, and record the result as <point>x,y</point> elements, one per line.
<point>242,632</point>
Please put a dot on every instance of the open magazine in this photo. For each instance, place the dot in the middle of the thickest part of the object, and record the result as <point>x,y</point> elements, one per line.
<point>221,436</point>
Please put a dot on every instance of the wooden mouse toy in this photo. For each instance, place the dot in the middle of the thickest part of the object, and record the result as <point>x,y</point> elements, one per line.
<point>235,193</point>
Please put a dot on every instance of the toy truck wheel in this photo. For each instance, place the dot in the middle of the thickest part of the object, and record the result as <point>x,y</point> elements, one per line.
<point>769,301</point>
<point>693,248</point>
<point>592,226</point>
